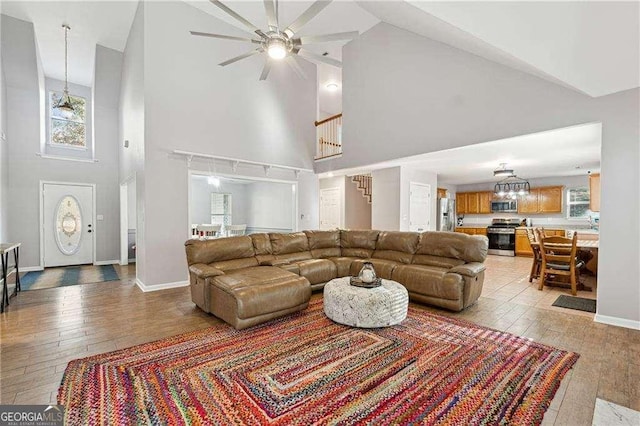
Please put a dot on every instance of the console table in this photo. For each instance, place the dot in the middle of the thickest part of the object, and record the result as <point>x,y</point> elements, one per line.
<point>5,249</point>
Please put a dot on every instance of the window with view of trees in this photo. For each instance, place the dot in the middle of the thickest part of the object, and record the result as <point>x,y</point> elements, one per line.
<point>70,130</point>
<point>220,209</point>
<point>578,203</point>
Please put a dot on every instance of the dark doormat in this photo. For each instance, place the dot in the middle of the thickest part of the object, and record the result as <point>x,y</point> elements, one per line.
<point>578,303</point>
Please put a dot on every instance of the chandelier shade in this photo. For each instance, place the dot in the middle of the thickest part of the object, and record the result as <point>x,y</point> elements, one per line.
<point>503,171</point>
<point>511,186</point>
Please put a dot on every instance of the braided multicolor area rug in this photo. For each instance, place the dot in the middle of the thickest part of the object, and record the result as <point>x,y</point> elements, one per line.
<point>304,369</point>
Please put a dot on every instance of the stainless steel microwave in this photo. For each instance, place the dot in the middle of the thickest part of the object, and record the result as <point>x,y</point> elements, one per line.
<point>504,206</point>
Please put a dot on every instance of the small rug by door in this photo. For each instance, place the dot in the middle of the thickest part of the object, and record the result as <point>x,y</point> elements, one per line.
<point>305,369</point>
<point>578,303</point>
<point>68,275</point>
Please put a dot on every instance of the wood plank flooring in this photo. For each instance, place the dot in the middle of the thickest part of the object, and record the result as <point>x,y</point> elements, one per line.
<point>42,330</point>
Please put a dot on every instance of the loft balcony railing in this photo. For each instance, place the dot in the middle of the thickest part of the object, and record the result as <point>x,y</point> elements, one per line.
<point>329,133</point>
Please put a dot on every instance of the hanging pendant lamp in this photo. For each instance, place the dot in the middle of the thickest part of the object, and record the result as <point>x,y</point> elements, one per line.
<point>64,105</point>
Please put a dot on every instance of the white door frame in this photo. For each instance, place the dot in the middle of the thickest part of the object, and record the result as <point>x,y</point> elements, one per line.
<point>191,172</point>
<point>124,219</point>
<point>94,221</point>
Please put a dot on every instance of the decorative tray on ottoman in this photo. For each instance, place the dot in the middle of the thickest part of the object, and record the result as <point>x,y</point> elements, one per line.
<point>357,282</point>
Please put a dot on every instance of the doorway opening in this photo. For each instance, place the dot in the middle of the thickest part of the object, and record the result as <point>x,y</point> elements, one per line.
<point>128,221</point>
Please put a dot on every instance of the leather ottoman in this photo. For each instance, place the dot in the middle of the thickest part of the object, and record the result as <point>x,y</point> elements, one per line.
<point>250,296</point>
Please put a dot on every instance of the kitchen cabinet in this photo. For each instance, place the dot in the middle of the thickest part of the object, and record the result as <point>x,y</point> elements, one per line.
<point>461,203</point>
<point>474,202</point>
<point>523,248</point>
<point>546,199</point>
<point>442,193</point>
<point>485,202</point>
<point>472,231</point>
<point>594,192</point>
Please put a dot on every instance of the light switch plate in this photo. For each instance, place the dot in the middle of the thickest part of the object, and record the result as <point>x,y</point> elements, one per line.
<point>100,217</point>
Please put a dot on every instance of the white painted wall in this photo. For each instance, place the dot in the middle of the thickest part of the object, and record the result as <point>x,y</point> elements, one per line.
<point>357,210</point>
<point>308,199</point>
<point>385,211</point>
<point>200,207</point>
<point>131,205</point>
<point>408,175</point>
<point>270,207</point>
<point>4,158</point>
<point>430,97</point>
<point>26,170</point>
<point>132,124</point>
<point>192,104</point>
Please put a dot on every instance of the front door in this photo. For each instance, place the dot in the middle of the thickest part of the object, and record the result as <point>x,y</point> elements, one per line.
<point>419,207</point>
<point>67,224</point>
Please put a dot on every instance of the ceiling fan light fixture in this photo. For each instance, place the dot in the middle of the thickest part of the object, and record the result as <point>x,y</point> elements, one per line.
<point>332,87</point>
<point>277,49</point>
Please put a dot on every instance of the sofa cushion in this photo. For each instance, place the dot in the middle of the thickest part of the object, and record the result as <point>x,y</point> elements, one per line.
<point>429,281</point>
<point>383,267</point>
<point>261,244</point>
<point>324,244</point>
<point>228,265</point>
<point>295,242</point>
<point>318,270</point>
<point>396,246</point>
<point>358,243</point>
<point>343,265</point>
<point>210,251</point>
<point>439,261</point>
<point>470,248</point>
<point>260,290</point>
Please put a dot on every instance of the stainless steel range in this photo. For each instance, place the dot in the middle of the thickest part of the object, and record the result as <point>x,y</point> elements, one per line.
<point>502,236</point>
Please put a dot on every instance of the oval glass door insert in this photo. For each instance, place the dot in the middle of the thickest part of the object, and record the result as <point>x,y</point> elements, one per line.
<point>68,225</point>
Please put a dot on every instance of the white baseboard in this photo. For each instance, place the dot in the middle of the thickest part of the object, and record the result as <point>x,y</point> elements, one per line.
<point>620,322</point>
<point>106,262</point>
<point>31,268</point>
<point>163,286</point>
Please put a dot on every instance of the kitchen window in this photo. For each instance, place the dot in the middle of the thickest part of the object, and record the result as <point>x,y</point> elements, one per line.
<point>220,209</point>
<point>578,203</point>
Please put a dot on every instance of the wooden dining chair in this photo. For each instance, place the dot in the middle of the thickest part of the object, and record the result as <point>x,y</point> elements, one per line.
<point>559,260</point>
<point>210,230</point>
<point>537,259</point>
<point>234,230</point>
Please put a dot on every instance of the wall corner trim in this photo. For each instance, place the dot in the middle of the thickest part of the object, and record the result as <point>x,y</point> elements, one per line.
<point>619,322</point>
<point>164,286</point>
<point>106,262</point>
<point>31,268</point>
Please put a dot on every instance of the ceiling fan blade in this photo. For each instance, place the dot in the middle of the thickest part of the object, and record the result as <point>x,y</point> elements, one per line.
<point>237,58</point>
<point>225,37</point>
<point>272,19</point>
<point>306,16</point>
<point>292,61</point>
<point>314,57</point>
<point>265,70</point>
<point>238,18</point>
<point>328,37</point>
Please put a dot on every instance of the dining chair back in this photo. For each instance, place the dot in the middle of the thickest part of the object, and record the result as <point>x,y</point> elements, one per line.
<point>233,230</point>
<point>537,259</point>
<point>559,260</point>
<point>209,230</point>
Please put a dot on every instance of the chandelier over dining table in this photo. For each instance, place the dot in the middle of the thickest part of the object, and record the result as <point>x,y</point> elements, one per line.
<point>512,186</point>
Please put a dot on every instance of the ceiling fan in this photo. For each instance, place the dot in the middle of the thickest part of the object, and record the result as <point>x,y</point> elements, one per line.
<point>281,44</point>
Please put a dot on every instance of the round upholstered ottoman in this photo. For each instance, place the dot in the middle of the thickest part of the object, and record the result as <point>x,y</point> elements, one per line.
<point>365,307</point>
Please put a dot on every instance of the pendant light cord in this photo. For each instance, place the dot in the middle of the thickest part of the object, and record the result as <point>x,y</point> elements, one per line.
<point>66,79</point>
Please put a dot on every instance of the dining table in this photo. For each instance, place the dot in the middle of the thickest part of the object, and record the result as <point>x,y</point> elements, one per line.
<point>589,245</point>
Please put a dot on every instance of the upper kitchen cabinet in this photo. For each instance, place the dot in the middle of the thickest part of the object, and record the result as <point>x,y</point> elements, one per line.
<point>443,193</point>
<point>461,203</point>
<point>485,202</point>
<point>546,199</point>
<point>594,192</point>
<point>474,202</point>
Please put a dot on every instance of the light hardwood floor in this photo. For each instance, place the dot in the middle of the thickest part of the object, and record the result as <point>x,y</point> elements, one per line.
<point>42,330</point>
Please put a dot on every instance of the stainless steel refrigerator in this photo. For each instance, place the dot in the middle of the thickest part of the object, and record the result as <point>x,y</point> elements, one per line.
<point>446,217</point>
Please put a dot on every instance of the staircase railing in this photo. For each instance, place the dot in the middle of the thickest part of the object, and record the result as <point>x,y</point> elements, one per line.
<point>329,133</point>
<point>364,183</point>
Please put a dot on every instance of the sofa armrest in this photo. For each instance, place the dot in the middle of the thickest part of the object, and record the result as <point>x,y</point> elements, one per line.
<point>470,269</point>
<point>274,262</point>
<point>205,271</point>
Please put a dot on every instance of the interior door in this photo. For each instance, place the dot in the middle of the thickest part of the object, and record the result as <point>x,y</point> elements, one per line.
<point>330,207</point>
<point>419,206</point>
<point>67,224</point>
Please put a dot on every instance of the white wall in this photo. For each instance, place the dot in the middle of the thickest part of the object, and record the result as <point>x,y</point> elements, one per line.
<point>270,207</point>
<point>192,104</point>
<point>200,206</point>
<point>26,170</point>
<point>132,123</point>
<point>131,205</point>
<point>357,211</point>
<point>408,175</point>
<point>430,97</point>
<point>385,211</point>
<point>4,158</point>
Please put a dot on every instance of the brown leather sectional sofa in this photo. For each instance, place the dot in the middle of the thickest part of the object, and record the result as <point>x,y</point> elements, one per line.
<point>251,279</point>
